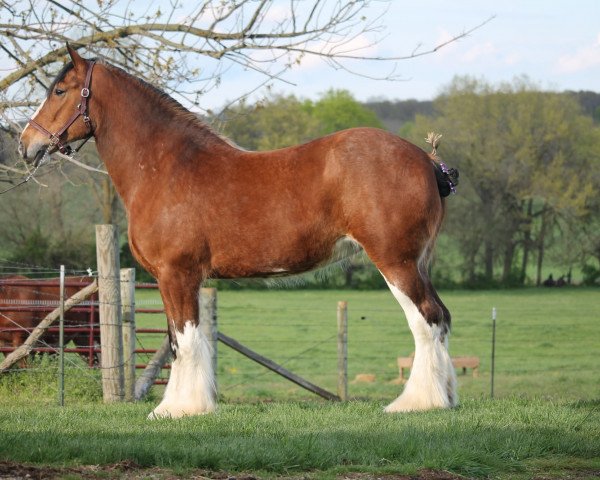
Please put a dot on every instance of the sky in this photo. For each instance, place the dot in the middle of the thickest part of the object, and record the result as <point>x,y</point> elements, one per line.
<point>555,43</point>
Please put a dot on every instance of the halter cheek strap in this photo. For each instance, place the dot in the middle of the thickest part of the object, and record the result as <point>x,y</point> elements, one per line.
<point>82,109</point>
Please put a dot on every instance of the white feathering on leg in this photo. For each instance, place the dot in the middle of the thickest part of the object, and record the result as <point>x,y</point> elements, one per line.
<point>432,381</point>
<point>191,388</point>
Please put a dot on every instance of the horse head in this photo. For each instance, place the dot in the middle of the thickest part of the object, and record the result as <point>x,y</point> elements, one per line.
<point>56,122</point>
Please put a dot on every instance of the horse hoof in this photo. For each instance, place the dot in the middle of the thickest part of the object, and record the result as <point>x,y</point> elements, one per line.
<point>415,403</point>
<point>153,415</point>
<point>178,411</point>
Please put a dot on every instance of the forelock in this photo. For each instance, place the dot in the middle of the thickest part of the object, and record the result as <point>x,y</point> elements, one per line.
<point>60,77</point>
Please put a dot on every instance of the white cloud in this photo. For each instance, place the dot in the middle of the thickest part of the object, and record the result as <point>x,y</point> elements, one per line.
<point>480,50</point>
<point>360,46</point>
<point>583,59</point>
<point>512,58</point>
<point>277,13</point>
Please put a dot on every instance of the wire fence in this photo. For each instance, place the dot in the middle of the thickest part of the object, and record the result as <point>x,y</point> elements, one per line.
<point>550,354</point>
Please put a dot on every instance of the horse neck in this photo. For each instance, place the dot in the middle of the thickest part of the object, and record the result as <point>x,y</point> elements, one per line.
<point>139,136</point>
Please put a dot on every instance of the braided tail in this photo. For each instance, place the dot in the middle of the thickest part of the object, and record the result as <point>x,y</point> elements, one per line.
<point>447,178</point>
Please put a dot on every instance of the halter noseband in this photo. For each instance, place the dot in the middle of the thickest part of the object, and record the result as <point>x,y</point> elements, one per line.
<point>82,109</point>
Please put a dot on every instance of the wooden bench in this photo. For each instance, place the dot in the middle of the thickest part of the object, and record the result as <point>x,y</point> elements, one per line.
<point>458,362</point>
<point>467,362</point>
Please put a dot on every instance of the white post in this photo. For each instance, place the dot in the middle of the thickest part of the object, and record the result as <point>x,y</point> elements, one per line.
<point>342,349</point>
<point>493,348</point>
<point>61,340</point>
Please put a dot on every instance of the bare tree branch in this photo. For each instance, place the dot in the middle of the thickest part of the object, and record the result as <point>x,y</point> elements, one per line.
<point>184,51</point>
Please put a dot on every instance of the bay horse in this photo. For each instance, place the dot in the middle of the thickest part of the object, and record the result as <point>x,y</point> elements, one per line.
<point>198,207</point>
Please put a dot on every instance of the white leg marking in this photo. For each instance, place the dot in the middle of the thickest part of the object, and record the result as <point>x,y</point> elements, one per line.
<point>432,381</point>
<point>191,388</point>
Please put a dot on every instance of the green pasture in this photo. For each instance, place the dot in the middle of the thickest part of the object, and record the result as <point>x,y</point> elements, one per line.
<point>543,423</point>
<point>507,438</point>
<point>546,341</point>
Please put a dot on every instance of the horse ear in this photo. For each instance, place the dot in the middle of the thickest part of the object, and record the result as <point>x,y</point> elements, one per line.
<point>78,62</point>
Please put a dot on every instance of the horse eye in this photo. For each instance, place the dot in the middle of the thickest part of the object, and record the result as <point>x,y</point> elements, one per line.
<point>59,92</point>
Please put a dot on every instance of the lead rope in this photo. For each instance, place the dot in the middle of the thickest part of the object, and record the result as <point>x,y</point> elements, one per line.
<point>31,173</point>
<point>69,155</point>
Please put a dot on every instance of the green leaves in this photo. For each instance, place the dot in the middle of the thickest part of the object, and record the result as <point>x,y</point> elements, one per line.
<point>281,121</point>
<point>337,110</point>
<point>525,157</point>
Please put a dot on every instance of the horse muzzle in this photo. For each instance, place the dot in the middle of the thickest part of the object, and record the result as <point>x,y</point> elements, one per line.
<point>34,152</point>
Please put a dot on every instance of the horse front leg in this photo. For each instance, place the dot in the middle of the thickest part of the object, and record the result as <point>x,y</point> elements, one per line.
<point>191,387</point>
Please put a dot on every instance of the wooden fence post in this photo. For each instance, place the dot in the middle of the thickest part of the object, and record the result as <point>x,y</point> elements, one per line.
<point>109,298</point>
<point>342,350</point>
<point>208,322</point>
<point>128,316</point>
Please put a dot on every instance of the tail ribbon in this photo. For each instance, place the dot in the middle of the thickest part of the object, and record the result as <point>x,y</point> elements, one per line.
<point>452,176</point>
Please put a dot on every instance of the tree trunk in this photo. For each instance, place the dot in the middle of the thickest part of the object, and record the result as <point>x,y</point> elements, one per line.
<point>541,244</point>
<point>526,241</point>
<point>489,235</point>
<point>489,260</point>
<point>56,207</point>
<point>509,255</point>
<point>109,202</point>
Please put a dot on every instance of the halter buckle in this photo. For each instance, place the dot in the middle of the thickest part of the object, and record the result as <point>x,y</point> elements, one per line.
<point>85,92</point>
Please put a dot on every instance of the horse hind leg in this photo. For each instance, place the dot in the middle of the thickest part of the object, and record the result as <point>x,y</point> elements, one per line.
<point>432,381</point>
<point>191,387</point>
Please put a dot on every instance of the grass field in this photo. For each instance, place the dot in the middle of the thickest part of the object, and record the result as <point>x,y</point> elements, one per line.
<point>543,423</point>
<point>546,341</point>
<point>501,439</point>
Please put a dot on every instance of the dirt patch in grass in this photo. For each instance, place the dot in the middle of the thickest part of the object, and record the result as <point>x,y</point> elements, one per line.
<point>571,475</point>
<point>122,470</point>
<point>422,475</point>
<point>131,471</point>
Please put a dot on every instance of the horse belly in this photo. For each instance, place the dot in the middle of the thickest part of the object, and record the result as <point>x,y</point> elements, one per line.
<point>287,258</point>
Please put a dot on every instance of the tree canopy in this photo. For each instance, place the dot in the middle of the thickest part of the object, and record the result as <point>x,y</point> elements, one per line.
<point>282,121</point>
<point>525,158</point>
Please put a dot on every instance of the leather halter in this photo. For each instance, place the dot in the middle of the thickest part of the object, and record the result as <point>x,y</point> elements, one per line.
<point>82,109</point>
